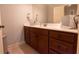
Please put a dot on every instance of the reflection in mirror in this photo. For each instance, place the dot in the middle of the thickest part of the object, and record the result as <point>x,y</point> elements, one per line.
<point>69,13</point>
<point>53,13</point>
<point>70,10</point>
<point>58,13</point>
<point>48,13</point>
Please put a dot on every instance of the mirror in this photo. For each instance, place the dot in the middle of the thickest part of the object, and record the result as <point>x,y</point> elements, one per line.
<point>70,9</point>
<point>52,13</point>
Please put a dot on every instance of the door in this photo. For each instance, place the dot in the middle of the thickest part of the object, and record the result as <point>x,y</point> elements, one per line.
<point>1,40</point>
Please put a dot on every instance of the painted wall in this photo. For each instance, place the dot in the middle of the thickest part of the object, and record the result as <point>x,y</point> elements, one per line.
<point>14,17</point>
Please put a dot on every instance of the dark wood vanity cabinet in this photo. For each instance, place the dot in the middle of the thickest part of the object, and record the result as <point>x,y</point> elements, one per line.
<point>62,42</point>
<point>39,39</point>
<point>50,41</point>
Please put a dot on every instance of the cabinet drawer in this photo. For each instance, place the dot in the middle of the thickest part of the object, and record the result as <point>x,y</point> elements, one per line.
<point>65,36</point>
<point>60,46</point>
<point>39,31</point>
<point>69,37</point>
<point>53,34</point>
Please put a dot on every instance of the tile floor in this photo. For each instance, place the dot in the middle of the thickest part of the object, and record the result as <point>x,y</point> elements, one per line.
<point>21,49</point>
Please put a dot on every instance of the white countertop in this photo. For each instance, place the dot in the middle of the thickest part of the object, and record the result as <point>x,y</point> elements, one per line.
<point>55,26</point>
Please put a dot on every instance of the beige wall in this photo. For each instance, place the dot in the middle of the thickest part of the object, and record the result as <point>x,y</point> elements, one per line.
<point>14,17</point>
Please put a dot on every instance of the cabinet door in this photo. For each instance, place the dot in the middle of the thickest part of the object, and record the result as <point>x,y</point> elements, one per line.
<point>43,44</point>
<point>26,35</point>
<point>33,38</point>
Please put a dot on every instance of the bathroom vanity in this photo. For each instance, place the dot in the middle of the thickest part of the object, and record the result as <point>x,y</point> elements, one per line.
<point>37,38</point>
<point>51,40</point>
